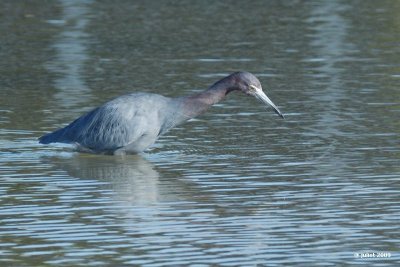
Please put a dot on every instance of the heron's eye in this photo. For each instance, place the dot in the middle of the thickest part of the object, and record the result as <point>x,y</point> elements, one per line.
<point>253,88</point>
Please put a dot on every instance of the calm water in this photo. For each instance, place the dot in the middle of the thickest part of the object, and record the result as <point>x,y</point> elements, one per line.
<point>237,186</point>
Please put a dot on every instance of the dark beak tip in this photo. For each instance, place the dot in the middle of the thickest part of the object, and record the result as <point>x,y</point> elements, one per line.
<point>279,114</point>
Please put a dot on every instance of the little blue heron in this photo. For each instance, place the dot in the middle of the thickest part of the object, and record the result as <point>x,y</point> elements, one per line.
<point>133,122</point>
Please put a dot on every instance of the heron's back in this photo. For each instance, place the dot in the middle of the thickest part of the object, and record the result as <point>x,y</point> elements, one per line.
<point>115,124</point>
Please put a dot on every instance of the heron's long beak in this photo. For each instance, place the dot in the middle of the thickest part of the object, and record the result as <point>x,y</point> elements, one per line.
<point>259,94</point>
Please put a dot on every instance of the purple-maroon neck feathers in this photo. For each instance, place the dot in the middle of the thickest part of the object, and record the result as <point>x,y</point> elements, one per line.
<point>184,108</point>
<point>196,104</point>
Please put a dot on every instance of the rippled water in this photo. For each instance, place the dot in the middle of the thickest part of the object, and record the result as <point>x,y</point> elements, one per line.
<point>237,186</point>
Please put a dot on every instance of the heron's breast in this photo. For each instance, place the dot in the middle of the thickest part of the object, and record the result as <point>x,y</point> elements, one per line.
<point>142,143</point>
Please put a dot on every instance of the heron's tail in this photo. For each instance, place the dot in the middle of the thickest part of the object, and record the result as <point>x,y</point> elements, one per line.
<point>56,136</point>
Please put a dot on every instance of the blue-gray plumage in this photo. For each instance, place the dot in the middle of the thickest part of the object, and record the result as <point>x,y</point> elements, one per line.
<point>131,123</point>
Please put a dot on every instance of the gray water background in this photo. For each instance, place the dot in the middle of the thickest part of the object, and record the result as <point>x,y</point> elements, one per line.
<point>237,186</point>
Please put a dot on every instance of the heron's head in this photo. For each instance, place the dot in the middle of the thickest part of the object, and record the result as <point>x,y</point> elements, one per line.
<point>250,85</point>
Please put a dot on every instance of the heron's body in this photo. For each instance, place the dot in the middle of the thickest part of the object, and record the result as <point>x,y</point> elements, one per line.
<point>128,123</point>
<point>131,123</point>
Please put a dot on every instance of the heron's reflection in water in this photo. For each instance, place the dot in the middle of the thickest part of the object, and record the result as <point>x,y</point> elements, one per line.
<point>133,179</point>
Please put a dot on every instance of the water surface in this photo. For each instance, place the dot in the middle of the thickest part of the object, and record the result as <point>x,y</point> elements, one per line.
<point>236,186</point>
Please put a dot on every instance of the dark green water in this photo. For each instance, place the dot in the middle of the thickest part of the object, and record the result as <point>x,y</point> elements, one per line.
<point>237,186</point>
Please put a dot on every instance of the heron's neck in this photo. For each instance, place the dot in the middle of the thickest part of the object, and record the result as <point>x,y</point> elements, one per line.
<point>187,107</point>
<point>200,102</point>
